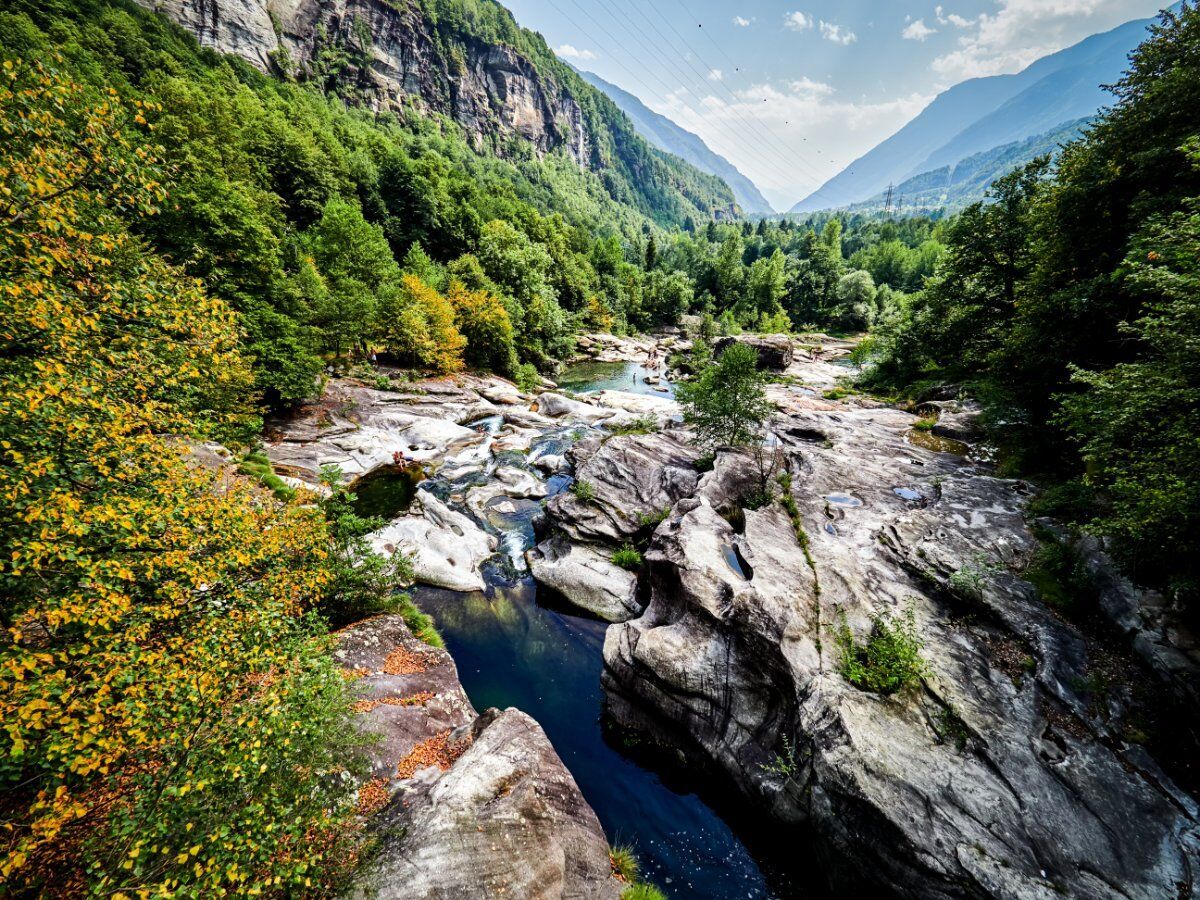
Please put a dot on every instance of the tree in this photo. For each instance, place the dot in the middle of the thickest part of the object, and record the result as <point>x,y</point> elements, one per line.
<point>766,286</point>
<point>356,261</point>
<point>730,272</point>
<point>482,319</point>
<point>727,407</point>
<point>172,722</point>
<point>417,325</point>
<point>856,301</point>
<point>1137,423</point>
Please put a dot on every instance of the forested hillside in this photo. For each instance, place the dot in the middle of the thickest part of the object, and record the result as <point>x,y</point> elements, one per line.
<point>1069,302</point>
<point>668,136</point>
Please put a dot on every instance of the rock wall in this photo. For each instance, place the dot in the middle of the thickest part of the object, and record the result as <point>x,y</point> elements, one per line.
<point>1004,773</point>
<point>463,805</point>
<point>393,59</point>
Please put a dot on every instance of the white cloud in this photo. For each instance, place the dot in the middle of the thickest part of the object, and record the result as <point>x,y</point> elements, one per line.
<point>834,33</point>
<point>812,130</point>
<point>715,75</point>
<point>797,21</point>
<point>1021,31</point>
<point>741,21</point>
<point>567,51</point>
<point>808,86</point>
<point>945,18</point>
<point>917,31</point>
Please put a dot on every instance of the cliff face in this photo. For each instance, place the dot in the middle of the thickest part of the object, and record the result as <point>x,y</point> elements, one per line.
<point>388,54</point>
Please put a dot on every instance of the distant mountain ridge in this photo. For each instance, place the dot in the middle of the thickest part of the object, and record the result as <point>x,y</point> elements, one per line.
<point>983,114</point>
<point>666,135</point>
<point>954,187</point>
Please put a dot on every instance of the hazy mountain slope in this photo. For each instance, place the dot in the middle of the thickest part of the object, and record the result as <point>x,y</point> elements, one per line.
<point>984,113</point>
<point>953,187</point>
<point>666,135</point>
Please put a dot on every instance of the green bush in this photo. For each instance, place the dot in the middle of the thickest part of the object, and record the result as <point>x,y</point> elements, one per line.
<point>889,661</point>
<point>641,425</point>
<point>527,378</point>
<point>624,863</point>
<point>628,557</point>
<point>583,491</point>
<point>642,891</point>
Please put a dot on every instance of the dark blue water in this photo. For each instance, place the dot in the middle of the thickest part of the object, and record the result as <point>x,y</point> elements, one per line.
<point>512,652</point>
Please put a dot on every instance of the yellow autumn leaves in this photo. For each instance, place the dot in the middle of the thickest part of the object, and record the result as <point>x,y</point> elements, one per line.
<point>152,603</point>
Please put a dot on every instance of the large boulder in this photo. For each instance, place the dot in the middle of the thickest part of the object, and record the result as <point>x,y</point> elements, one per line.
<point>587,577</point>
<point>464,806</point>
<point>633,481</point>
<point>446,547</point>
<point>999,774</point>
<point>774,350</point>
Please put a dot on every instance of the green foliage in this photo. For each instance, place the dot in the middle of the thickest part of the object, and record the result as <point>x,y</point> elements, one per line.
<point>583,491</point>
<point>527,378</point>
<point>362,583</point>
<point>640,425</point>
<point>889,661</point>
<point>627,557</point>
<point>642,891</point>
<point>624,863</point>
<point>653,519</point>
<point>785,765</point>
<point>173,721</point>
<point>1069,302</point>
<point>726,404</point>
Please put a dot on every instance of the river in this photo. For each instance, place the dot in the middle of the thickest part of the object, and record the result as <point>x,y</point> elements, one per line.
<point>512,650</point>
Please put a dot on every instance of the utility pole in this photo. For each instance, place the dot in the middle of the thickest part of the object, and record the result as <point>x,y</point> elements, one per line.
<point>887,204</point>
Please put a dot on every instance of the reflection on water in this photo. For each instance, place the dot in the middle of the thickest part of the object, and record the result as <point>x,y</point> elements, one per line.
<point>387,492</point>
<point>927,440</point>
<point>592,377</point>
<point>512,652</point>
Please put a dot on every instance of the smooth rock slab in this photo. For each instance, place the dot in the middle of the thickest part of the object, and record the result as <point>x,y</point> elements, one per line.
<point>445,546</point>
<point>587,577</point>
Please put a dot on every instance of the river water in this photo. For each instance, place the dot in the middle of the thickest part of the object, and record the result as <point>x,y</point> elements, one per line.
<point>512,650</point>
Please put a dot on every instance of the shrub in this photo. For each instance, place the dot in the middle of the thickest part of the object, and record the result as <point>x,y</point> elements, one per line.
<point>362,582</point>
<point>641,425</point>
<point>624,863</point>
<point>925,423</point>
<point>785,764</point>
<point>653,519</point>
<point>628,557</point>
<point>583,491</point>
<point>642,891</point>
<point>889,661</point>
<point>527,378</point>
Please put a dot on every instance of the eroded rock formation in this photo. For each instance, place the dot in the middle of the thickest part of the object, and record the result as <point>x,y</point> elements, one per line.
<point>464,805</point>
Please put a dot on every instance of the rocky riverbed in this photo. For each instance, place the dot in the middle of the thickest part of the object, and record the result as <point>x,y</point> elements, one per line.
<point>1010,771</point>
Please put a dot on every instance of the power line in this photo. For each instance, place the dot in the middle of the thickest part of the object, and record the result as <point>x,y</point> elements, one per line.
<point>783,177</point>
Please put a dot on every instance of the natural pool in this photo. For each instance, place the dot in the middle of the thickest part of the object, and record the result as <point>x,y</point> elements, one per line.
<point>387,492</point>
<point>511,651</point>
<point>592,377</point>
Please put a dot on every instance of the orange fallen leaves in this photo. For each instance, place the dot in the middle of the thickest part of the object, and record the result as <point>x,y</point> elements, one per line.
<point>436,751</point>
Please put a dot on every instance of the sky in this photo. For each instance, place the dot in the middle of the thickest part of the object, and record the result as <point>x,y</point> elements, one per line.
<point>792,92</point>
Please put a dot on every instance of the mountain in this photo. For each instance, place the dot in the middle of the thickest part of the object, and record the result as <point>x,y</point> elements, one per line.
<point>954,187</point>
<point>470,61</point>
<point>666,135</point>
<point>985,113</point>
